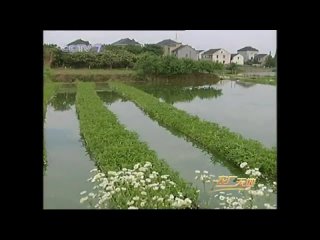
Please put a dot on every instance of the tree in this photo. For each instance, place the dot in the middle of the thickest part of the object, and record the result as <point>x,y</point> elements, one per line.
<point>234,68</point>
<point>270,62</point>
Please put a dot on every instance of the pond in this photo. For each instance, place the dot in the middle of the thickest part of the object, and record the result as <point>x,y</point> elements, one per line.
<point>248,109</point>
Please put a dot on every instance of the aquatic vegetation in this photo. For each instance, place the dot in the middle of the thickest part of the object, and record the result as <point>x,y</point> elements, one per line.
<point>137,188</point>
<point>215,139</point>
<point>115,148</point>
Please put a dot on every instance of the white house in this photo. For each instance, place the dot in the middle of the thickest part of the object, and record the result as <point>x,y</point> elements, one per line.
<point>78,46</point>
<point>248,53</point>
<point>185,51</point>
<point>200,52</point>
<point>237,59</point>
<point>261,58</point>
<point>217,55</point>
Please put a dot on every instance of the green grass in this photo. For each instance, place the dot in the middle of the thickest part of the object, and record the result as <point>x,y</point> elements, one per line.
<point>214,138</point>
<point>112,146</point>
<point>261,80</point>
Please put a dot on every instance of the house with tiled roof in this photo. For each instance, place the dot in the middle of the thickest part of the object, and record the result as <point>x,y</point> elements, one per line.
<point>168,46</point>
<point>217,55</point>
<point>78,45</point>
<point>261,58</point>
<point>126,41</point>
<point>185,51</point>
<point>248,53</point>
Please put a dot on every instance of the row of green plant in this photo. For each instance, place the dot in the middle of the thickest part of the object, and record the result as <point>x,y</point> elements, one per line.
<point>216,139</point>
<point>116,149</point>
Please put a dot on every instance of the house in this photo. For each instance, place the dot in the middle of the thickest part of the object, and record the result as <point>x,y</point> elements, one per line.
<point>261,58</point>
<point>248,53</point>
<point>217,55</point>
<point>237,59</point>
<point>185,51</point>
<point>78,45</point>
<point>200,52</point>
<point>126,41</point>
<point>168,45</point>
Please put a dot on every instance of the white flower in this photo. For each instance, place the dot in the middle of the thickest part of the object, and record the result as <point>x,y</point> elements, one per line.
<point>197,171</point>
<point>155,188</point>
<point>143,193</point>
<point>148,164</point>
<point>123,189</point>
<point>83,192</point>
<point>148,180</point>
<point>248,172</point>
<point>109,188</point>
<point>221,198</point>
<point>124,169</point>
<point>142,204</point>
<point>208,181</point>
<point>270,190</point>
<point>164,176</point>
<point>235,203</point>
<point>142,169</point>
<point>142,181</point>
<point>132,207</point>
<point>274,183</point>
<point>154,198</point>
<point>160,199</point>
<point>172,183</point>
<point>198,191</point>
<point>187,201</point>
<point>94,170</point>
<point>136,166</point>
<point>118,190</point>
<point>196,178</point>
<point>242,165</point>
<point>130,202</point>
<point>136,198</point>
<point>205,172</point>
<point>91,195</point>
<point>83,199</point>
<point>162,187</point>
<point>260,185</point>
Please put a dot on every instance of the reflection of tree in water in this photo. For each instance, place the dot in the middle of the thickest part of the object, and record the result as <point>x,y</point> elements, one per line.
<point>172,94</point>
<point>63,101</point>
<point>108,97</point>
<point>245,84</point>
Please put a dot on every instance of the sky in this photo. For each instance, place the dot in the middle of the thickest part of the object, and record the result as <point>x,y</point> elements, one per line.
<point>231,40</point>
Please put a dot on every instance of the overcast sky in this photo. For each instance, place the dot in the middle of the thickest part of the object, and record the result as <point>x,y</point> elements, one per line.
<point>231,40</point>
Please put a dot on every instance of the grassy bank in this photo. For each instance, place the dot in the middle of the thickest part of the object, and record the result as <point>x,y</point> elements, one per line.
<point>214,138</point>
<point>115,148</point>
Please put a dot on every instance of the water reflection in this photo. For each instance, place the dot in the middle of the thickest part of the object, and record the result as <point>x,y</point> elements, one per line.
<point>63,101</point>
<point>172,94</point>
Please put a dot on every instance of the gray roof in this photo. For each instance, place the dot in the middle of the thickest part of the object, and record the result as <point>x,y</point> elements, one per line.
<point>167,42</point>
<point>199,51</point>
<point>260,55</point>
<point>248,48</point>
<point>126,41</point>
<point>182,46</point>
<point>234,54</point>
<point>211,51</point>
<point>79,41</point>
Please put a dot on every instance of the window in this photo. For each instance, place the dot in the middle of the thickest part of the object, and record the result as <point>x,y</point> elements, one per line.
<point>224,61</point>
<point>217,56</point>
<point>238,58</point>
<point>224,56</point>
<point>221,51</point>
<point>186,55</point>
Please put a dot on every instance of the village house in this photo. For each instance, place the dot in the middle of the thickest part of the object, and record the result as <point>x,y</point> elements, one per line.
<point>185,51</point>
<point>126,41</point>
<point>237,59</point>
<point>78,46</point>
<point>217,55</point>
<point>261,58</point>
<point>168,46</point>
<point>248,53</point>
<point>96,48</point>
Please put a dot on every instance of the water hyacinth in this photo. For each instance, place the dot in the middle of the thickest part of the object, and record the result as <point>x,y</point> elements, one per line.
<point>137,192</point>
